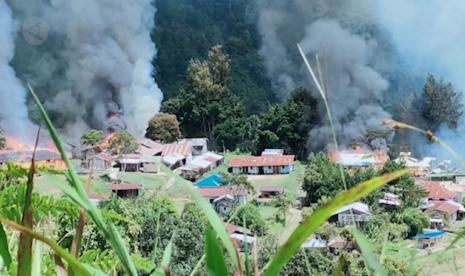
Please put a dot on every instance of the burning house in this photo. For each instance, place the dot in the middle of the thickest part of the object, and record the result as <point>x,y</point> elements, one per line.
<point>21,154</point>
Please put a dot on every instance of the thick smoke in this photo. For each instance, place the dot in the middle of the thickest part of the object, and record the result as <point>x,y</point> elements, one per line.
<point>13,112</point>
<point>105,50</point>
<point>354,88</point>
<point>430,37</point>
<point>332,30</point>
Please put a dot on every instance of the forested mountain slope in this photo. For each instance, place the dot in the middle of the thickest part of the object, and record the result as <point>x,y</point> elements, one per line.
<point>186,29</point>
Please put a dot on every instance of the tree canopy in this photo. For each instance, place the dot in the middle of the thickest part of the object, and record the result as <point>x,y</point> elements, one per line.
<point>184,31</point>
<point>92,137</point>
<point>440,103</point>
<point>122,142</point>
<point>163,127</point>
<point>204,100</point>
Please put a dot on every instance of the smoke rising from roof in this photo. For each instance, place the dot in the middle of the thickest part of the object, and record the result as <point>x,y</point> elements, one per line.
<point>101,61</point>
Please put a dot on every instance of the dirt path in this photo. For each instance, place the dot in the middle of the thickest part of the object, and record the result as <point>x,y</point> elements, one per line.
<point>293,217</point>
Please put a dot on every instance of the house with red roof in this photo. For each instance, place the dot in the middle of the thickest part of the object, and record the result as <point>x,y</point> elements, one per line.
<point>240,236</point>
<point>443,213</point>
<point>437,191</point>
<point>441,204</point>
<point>265,164</point>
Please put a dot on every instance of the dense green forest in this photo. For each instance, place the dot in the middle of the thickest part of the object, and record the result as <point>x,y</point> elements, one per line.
<point>186,29</point>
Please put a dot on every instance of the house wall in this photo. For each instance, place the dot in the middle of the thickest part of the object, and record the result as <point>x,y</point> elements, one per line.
<point>237,170</point>
<point>252,170</point>
<point>100,164</point>
<point>268,170</point>
<point>441,215</point>
<point>286,169</point>
<point>242,199</point>
<point>151,167</point>
<point>224,206</point>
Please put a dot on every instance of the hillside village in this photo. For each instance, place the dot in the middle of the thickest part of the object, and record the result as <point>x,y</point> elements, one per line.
<point>232,137</point>
<point>265,184</point>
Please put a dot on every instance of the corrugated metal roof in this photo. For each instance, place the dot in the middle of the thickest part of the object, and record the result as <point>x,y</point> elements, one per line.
<point>219,191</point>
<point>444,206</point>
<point>436,190</point>
<point>184,149</point>
<point>259,161</point>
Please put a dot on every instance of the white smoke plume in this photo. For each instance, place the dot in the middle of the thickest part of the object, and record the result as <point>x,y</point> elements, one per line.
<point>430,37</point>
<point>354,88</point>
<point>13,112</point>
<point>339,33</point>
<point>106,54</point>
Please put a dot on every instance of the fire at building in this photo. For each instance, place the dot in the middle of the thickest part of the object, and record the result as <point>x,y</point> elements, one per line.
<point>20,153</point>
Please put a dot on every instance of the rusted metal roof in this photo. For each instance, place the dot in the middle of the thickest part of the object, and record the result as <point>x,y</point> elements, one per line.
<point>444,206</point>
<point>436,190</point>
<point>219,191</point>
<point>184,149</point>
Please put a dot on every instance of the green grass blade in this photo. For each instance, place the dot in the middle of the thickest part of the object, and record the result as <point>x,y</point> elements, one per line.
<point>37,259</point>
<point>248,270</point>
<point>155,242</point>
<point>166,259</point>
<point>216,265</point>
<point>67,190</point>
<point>63,253</point>
<point>340,266</point>
<point>310,224</point>
<point>25,241</point>
<point>214,220</point>
<point>108,229</point>
<point>4,251</point>
<point>199,263</point>
<point>367,253</point>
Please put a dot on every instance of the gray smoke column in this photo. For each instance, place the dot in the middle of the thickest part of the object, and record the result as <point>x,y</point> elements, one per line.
<point>354,89</point>
<point>110,53</point>
<point>342,34</point>
<point>105,51</point>
<point>13,112</point>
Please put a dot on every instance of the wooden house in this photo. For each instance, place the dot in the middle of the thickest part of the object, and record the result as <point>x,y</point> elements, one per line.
<point>270,191</point>
<point>357,212</point>
<point>273,164</point>
<point>125,190</point>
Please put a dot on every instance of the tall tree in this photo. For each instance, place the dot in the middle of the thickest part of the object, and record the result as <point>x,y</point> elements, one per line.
<point>205,99</point>
<point>287,125</point>
<point>440,103</point>
<point>163,127</point>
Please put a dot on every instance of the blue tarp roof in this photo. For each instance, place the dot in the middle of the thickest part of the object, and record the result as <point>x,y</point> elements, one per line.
<point>213,180</point>
<point>430,235</point>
